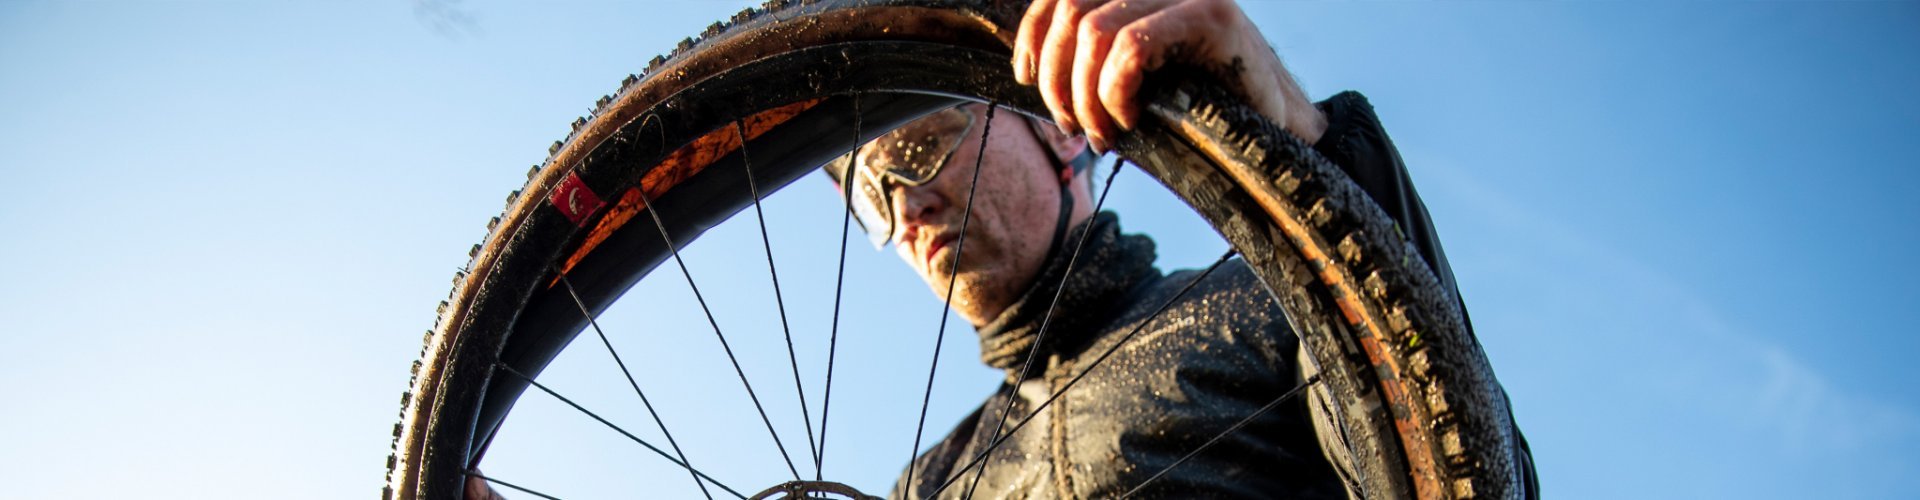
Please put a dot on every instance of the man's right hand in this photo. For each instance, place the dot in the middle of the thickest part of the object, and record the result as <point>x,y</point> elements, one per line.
<point>1089,58</point>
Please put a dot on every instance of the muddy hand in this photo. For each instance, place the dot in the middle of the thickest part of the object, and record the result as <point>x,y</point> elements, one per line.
<point>1089,57</point>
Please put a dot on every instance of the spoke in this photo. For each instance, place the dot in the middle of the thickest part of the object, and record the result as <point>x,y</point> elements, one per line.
<point>995,444</point>
<point>1216,438</point>
<point>792,359</point>
<point>630,381</point>
<point>656,450</point>
<point>664,237</point>
<point>959,246</point>
<point>522,489</point>
<point>1046,321</point>
<point>833,338</point>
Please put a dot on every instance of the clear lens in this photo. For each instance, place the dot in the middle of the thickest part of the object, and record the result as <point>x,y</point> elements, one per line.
<point>914,154</point>
<point>871,207</point>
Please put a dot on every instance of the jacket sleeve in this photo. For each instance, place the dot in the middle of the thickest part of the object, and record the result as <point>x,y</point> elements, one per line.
<point>1357,143</point>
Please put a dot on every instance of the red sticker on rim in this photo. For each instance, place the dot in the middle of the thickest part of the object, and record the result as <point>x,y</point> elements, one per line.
<point>574,199</point>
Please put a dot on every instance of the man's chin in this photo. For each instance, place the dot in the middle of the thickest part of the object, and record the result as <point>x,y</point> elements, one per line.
<point>937,270</point>
<point>969,287</point>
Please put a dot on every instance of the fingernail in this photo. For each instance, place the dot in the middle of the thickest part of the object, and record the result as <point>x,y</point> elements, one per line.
<point>1096,141</point>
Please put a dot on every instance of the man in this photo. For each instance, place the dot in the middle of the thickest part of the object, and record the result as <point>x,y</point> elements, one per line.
<point>1214,356</point>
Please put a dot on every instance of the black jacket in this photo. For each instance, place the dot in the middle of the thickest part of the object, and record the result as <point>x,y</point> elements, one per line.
<point>1217,354</point>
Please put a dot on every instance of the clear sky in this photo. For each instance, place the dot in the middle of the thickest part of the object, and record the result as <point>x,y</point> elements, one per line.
<point>1679,228</point>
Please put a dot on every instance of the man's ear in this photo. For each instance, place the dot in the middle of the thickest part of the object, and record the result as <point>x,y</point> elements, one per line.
<point>1063,147</point>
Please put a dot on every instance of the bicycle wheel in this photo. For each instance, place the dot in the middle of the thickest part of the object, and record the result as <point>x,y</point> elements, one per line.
<point>661,161</point>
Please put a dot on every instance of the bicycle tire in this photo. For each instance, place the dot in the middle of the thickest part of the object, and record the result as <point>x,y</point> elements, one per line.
<point>1423,415</point>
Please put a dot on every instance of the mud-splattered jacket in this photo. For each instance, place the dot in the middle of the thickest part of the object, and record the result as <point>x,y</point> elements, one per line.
<point>1217,353</point>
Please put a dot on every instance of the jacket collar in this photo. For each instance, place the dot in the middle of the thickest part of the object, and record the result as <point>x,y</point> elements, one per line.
<point>1110,266</point>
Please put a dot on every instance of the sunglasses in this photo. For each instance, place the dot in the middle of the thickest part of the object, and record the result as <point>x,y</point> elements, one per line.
<point>912,156</point>
<point>908,156</point>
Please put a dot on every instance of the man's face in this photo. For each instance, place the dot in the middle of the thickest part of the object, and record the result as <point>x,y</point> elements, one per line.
<point>1015,209</point>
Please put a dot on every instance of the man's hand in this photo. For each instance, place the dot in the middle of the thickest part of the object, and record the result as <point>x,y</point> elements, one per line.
<point>478,489</point>
<point>1089,58</point>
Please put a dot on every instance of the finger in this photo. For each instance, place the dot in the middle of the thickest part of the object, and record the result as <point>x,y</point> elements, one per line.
<point>1097,30</point>
<point>478,488</point>
<point>1139,48</point>
<point>1090,46</point>
<point>1055,66</point>
<point>1033,29</point>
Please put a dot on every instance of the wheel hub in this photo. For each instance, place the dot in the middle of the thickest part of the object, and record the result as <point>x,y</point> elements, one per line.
<point>812,490</point>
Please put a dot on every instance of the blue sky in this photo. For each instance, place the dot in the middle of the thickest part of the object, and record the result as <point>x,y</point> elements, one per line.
<point>1680,229</point>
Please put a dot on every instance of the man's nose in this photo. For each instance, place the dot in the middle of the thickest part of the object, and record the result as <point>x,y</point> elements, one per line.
<point>917,206</point>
